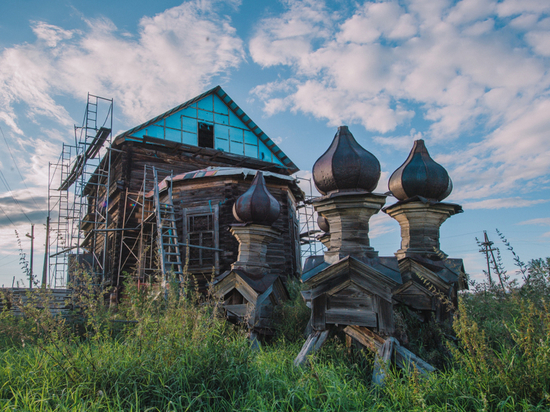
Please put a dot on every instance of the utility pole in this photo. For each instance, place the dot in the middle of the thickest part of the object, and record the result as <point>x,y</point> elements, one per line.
<point>31,236</point>
<point>46,261</point>
<point>488,249</point>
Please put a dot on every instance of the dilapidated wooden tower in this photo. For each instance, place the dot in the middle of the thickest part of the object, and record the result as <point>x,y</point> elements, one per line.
<point>353,288</point>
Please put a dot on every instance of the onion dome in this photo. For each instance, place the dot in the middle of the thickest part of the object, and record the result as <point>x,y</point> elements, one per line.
<point>323,224</point>
<point>346,166</point>
<point>257,205</point>
<point>420,175</point>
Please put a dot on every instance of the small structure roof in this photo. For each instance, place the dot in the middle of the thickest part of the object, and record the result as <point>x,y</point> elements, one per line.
<point>211,172</point>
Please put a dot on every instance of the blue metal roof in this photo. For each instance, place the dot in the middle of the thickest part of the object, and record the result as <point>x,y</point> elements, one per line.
<point>277,152</point>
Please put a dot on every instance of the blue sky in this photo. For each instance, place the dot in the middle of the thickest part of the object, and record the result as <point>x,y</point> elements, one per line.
<point>470,77</point>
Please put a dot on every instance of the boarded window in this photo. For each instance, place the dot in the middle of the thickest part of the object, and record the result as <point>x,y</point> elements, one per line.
<point>206,135</point>
<point>201,234</point>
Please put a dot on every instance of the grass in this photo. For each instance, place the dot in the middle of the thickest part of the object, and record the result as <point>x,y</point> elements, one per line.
<point>183,356</point>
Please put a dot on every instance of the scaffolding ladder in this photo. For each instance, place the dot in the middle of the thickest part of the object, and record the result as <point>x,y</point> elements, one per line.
<point>309,231</point>
<point>167,235</point>
<point>60,230</point>
<point>78,184</point>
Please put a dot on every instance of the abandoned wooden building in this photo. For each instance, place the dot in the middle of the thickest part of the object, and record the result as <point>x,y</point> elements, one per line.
<point>201,155</point>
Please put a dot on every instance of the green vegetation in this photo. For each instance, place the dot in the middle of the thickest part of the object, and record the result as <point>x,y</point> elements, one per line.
<point>181,355</point>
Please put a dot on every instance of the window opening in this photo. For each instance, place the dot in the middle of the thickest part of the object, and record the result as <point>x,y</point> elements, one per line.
<point>206,135</point>
<point>201,230</point>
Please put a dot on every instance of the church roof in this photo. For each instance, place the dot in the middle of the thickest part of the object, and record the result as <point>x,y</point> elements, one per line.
<point>233,130</point>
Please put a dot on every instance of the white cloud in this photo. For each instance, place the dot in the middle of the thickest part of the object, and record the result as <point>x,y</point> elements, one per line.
<point>381,224</point>
<point>399,142</point>
<point>540,41</point>
<point>513,7</point>
<point>464,75</point>
<point>541,221</point>
<point>174,57</point>
<point>50,34</point>
<point>277,43</point>
<point>504,203</point>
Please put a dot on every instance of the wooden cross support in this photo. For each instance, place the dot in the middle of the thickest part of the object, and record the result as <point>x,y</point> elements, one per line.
<point>313,343</point>
<point>387,351</point>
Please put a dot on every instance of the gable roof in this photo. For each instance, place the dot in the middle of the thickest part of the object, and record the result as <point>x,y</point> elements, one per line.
<point>237,111</point>
<point>350,269</point>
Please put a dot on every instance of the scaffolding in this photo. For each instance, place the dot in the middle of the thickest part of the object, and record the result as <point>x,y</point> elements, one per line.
<point>83,233</point>
<point>307,217</point>
<point>78,197</point>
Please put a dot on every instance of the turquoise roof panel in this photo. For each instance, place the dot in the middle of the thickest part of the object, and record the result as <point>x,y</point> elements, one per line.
<point>233,130</point>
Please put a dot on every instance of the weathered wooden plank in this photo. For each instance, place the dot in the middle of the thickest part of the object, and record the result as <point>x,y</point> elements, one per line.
<point>241,311</point>
<point>385,316</point>
<point>306,295</point>
<point>382,361</point>
<point>365,337</point>
<point>313,343</point>
<point>318,313</point>
<point>370,284</point>
<point>404,358</point>
<point>418,302</point>
<point>248,293</point>
<point>226,285</point>
<point>329,284</point>
<point>254,341</point>
<point>351,303</point>
<point>351,317</point>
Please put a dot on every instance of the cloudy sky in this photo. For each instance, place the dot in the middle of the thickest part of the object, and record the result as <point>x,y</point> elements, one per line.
<point>469,77</point>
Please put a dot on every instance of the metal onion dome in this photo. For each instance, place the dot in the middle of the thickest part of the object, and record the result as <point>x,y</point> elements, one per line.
<point>257,205</point>
<point>420,175</point>
<point>346,166</point>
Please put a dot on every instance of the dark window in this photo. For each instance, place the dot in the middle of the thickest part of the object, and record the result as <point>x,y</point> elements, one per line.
<point>206,135</point>
<point>201,234</point>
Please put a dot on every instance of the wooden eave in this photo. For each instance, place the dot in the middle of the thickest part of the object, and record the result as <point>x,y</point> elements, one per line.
<point>234,281</point>
<point>281,181</point>
<point>413,267</point>
<point>410,284</point>
<point>213,155</point>
<point>350,270</point>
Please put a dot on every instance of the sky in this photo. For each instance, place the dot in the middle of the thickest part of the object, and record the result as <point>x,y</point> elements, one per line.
<point>469,77</point>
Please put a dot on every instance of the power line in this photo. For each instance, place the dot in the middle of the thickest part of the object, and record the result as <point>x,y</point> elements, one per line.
<point>6,256</point>
<point>17,167</point>
<point>11,221</point>
<point>4,180</point>
<point>9,263</point>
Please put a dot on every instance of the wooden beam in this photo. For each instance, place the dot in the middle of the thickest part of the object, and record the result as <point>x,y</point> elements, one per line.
<point>365,337</point>
<point>382,361</point>
<point>402,357</point>
<point>313,343</point>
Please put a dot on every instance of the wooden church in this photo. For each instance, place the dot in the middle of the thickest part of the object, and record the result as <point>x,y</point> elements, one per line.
<point>200,156</point>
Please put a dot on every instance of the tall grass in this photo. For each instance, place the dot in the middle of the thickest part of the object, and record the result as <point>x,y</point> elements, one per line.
<point>179,354</point>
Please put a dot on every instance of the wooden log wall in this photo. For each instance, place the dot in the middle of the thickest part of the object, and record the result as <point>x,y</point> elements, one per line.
<point>223,191</point>
<point>127,166</point>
